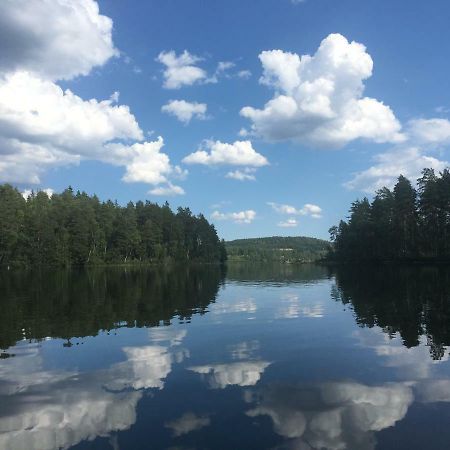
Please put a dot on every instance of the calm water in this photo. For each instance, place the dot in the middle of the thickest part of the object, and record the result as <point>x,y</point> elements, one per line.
<point>260,357</point>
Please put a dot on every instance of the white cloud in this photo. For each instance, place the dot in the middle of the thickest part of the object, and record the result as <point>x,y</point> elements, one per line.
<point>38,111</point>
<point>240,153</point>
<point>289,223</point>
<point>28,192</point>
<point>244,74</point>
<point>185,111</point>
<point>308,209</point>
<point>237,217</point>
<point>57,39</point>
<point>167,191</point>
<point>43,126</point>
<point>423,138</point>
<point>244,373</point>
<point>242,175</point>
<point>188,422</point>
<point>319,99</point>
<point>145,163</point>
<point>181,70</point>
<point>429,131</point>
<point>408,161</point>
<point>224,66</point>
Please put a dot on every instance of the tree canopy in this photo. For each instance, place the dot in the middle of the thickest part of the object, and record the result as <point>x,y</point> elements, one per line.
<point>403,224</point>
<point>74,229</point>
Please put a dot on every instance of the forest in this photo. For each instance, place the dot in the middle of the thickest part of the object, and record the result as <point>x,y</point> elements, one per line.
<point>403,224</point>
<point>296,249</point>
<point>75,229</point>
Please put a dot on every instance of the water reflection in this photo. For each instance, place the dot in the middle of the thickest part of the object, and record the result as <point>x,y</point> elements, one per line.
<point>184,367</point>
<point>69,304</point>
<point>412,302</point>
<point>276,273</point>
<point>50,410</point>
<point>244,373</point>
<point>56,409</point>
<point>188,422</point>
<point>331,416</point>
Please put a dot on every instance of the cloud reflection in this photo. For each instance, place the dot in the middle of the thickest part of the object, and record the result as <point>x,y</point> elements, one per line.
<point>244,373</point>
<point>188,422</point>
<point>331,416</point>
<point>49,410</point>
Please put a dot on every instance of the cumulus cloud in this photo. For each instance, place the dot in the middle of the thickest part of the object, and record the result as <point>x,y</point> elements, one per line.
<point>308,209</point>
<point>167,191</point>
<point>185,111</point>
<point>54,39</point>
<point>43,126</point>
<point>239,153</point>
<point>319,99</point>
<point>406,161</point>
<point>38,111</point>
<point>429,131</point>
<point>144,162</point>
<point>289,223</point>
<point>242,175</point>
<point>423,137</point>
<point>180,70</point>
<point>240,217</point>
<point>244,373</point>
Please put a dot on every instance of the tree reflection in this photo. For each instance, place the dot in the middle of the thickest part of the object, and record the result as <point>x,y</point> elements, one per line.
<point>67,304</point>
<point>410,301</point>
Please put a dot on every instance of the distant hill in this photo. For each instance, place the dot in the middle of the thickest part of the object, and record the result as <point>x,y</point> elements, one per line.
<point>297,249</point>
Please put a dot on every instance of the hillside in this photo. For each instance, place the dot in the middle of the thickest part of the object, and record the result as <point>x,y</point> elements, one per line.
<point>297,249</point>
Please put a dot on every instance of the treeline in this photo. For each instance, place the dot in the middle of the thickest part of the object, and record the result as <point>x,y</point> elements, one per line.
<point>402,224</point>
<point>75,229</point>
<point>289,249</point>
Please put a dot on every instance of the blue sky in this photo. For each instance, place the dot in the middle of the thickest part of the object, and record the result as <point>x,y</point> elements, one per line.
<point>260,137</point>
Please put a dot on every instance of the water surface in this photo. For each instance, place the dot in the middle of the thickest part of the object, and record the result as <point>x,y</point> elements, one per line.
<point>257,357</point>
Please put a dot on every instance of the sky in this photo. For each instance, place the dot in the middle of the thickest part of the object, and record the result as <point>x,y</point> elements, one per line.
<point>268,116</point>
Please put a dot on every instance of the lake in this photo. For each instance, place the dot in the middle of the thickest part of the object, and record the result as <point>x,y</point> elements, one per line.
<point>252,357</point>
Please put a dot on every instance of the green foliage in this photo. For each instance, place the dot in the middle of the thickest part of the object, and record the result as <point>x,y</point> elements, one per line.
<point>71,229</point>
<point>403,224</point>
<point>277,248</point>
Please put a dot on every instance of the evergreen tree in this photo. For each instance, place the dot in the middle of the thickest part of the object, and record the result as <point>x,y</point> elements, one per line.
<point>77,229</point>
<point>402,224</point>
